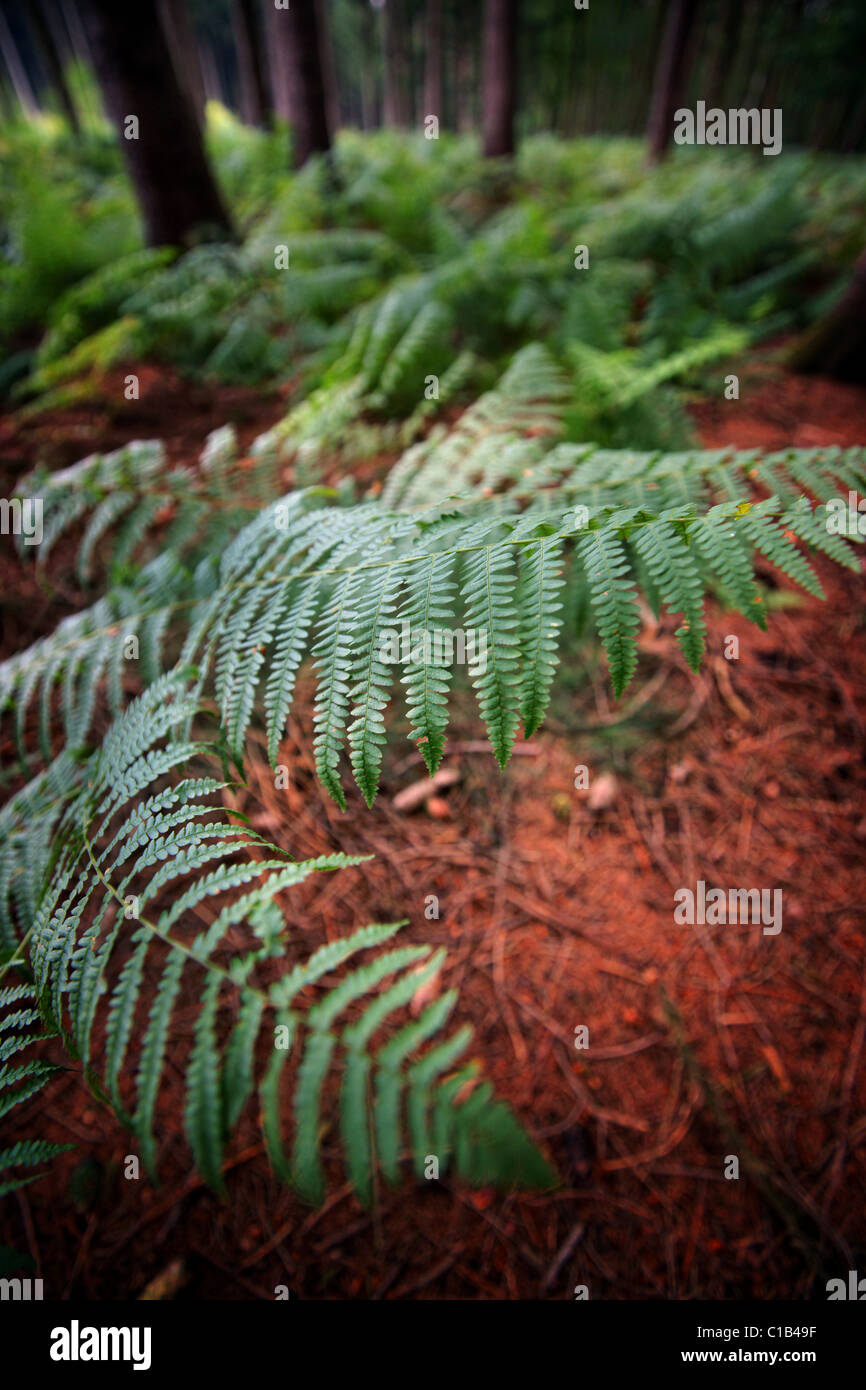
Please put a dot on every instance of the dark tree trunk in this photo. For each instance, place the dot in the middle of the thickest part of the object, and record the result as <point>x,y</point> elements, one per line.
<point>255,97</point>
<point>670,76</point>
<point>396,65</point>
<point>48,51</point>
<point>278,56</point>
<point>297,31</point>
<point>179,198</point>
<point>178,30</point>
<point>836,344</point>
<point>21,84</point>
<point>329,75</point>
<point>498,76</point>
<point>466,85</point>
<point>726,52</point>
<point>433,60</point>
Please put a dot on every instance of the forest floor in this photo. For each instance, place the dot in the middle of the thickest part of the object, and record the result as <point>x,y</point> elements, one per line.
<point>556,906</point>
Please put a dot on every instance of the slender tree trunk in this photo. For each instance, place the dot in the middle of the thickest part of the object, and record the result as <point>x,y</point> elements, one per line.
<point>21,84</point>
<point>670,76</point>
<point>178,30</point>
<point>329,75</point>
<point>178,195</point>
<point>49,52</point>
<point>278,55</point>
<point>465,78</point>
<point>433,60</point>
<point>297,31</point>
<point>498,76</point>
<point>210,74</point>
<point>396,65</point>
<point>255,97</point>
<point>726,51</point>
<point>836,344</point>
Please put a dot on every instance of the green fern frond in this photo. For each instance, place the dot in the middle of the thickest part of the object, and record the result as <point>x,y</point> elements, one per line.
<point>134,857</point>
<point>22,1076</point>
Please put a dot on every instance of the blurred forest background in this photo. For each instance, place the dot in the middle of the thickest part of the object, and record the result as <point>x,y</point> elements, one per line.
<point>254,126</point>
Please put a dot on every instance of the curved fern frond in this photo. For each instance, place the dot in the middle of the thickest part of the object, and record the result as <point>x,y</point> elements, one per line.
<point>149,890</point>
<point>463,515</point>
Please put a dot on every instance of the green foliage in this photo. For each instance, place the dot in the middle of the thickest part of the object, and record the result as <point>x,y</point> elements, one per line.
<point>22,1076</point>
<point>411,264</point>
<point>140,852</point>
<point>126,887</point>
<point>484,524</point>
<point>65,211</point>
<point>497,522</point>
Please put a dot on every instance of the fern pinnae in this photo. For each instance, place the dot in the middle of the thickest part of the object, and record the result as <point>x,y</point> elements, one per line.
<point>203,1110</point>
<point>715,537</point>
<point>391,1080</point>
<point>284,1030</point>
<point>307,1173</point>
<point>540,583</point>
<point>360,1152</point>
<point>370,693</point>
<point>422,1080</point>
<point>429,605</point>
<point>239,1061</point>
<point>673,569</point>
<point>812,527</point>
<point>152,1055</point>
<point>614,601</point>
<point>334,655</point>
<point>356,1125</point>
<point>121,1013</point>
<point>239,694</point>
<point>768,537</point>
<point>491,610</point>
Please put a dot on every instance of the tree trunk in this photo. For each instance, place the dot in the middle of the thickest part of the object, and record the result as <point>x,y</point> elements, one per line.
<point>836,344</point>
<point>297,32</point>
<point>670,76</point>
<point>48,51</point>
<point>465,83</point>
<point>278,56</point>
<point>21,84</point>
<point>498,76</point>
<point>212,83</point>
<point>90,102</point>
<point>255,97</point>
<point>178,30</point>
<point>177,193</point>
<point>329,73</point>
<point>726,51</point>
<point>396,65</point>
<point>433,60</point>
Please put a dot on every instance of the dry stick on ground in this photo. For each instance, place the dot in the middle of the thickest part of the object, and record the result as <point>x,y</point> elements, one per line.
<point>567,1248</point>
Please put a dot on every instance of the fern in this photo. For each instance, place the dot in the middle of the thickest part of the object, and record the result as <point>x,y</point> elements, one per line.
<point>22,1076</point>
<point>477,524</point>
<point>139,860</point>
<point>121,864</point>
